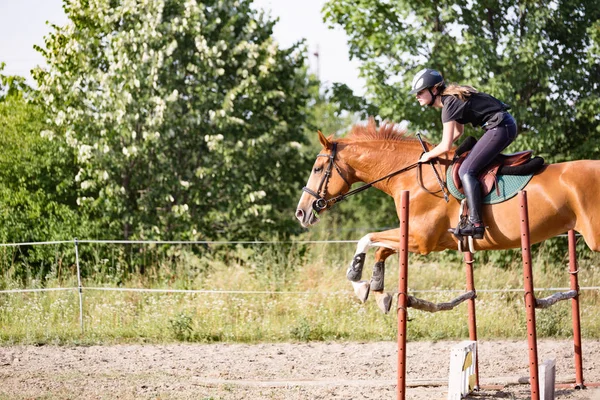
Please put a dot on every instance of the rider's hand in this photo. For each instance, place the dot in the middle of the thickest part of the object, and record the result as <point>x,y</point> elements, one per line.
<point>425,157</point>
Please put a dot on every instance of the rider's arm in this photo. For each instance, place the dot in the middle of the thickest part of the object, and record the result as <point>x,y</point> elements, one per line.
<point>452,131</point>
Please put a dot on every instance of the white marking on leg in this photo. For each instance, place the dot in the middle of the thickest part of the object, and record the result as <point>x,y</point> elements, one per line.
<point>380,244</point>
<point>363,244</point>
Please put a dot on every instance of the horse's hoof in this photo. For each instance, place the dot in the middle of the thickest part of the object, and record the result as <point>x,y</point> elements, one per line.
<point>384,302</point>
<point>361,290</point>
<point>354,272</point>
<point>378,277</point>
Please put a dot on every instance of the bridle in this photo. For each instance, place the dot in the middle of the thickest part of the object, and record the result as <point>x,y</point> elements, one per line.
<point>321,203</point>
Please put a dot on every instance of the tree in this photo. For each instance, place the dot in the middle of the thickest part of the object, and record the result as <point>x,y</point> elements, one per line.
<point>539,57</point>
<point>37,189</point>
<point>12,86</point>
<point>187,117</point>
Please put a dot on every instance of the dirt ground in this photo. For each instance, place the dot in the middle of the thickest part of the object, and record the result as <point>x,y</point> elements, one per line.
<point>336,370</point>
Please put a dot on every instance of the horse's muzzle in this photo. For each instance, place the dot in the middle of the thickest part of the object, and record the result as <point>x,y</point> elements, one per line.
<point>306,218</point>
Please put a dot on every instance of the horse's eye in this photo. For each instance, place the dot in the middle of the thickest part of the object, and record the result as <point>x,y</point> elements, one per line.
<point>318,169</point>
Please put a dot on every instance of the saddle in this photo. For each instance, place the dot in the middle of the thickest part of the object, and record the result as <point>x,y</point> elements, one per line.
<point>520,163</point>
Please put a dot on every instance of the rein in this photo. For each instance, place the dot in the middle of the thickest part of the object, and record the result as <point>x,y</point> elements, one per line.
<point>321,203</point>
<point>368,185</point>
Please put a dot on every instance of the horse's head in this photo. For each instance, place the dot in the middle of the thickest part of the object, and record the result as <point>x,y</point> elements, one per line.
<point>327,181</point>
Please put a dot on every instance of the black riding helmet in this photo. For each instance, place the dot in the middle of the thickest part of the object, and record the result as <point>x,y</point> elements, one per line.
<point>426,79</point>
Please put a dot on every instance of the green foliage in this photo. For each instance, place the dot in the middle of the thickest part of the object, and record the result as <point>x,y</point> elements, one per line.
<point>37,189</point>
<point>540,58</point>
<point>181,326</point>
<point>186,118</point>
<point>29,161</point>
<point>326,114</point>
<point>548,321</point>
<point>348,101</point>
<point>12,86</point>
<point>274,265</point>
<point>305,332</point>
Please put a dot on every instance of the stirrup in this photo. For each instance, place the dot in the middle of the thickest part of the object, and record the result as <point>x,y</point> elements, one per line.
<point>468,229</point>
<point>465,243</point>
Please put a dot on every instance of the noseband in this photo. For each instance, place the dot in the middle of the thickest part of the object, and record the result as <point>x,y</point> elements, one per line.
<point>320,203</point>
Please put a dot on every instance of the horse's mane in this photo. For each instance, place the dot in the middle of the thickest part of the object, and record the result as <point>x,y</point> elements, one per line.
<point>387,131</point>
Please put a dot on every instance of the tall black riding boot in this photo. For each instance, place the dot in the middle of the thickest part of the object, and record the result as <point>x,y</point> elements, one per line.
<point>472,189</point>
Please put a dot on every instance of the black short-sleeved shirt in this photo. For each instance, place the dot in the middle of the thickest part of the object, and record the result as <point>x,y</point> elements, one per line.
<point>477,110</point>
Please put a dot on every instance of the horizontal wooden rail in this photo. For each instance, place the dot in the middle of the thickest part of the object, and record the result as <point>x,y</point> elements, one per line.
<point>428,306</point>
<point>555,298</point>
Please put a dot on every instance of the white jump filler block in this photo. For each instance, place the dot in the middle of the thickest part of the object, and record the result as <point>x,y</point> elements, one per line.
<point>461,380</point>
<point>547,376</point>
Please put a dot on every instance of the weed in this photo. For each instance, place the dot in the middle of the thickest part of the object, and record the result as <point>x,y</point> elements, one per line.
<point>181,326</point>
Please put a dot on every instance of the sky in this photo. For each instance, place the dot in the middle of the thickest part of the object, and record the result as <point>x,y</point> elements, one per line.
<point>23,24</point>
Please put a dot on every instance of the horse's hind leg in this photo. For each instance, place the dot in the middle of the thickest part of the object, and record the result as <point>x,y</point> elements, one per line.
<point>377,280</point>
<point>383,299</point>
<point>388,244</point>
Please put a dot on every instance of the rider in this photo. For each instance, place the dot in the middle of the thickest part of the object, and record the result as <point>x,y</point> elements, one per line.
<point>462,105</point>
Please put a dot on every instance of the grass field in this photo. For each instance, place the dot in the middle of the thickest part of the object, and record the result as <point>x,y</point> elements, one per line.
<point>309,298</point>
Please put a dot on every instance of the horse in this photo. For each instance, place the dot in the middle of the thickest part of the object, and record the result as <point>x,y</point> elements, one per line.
<point>563,196</point>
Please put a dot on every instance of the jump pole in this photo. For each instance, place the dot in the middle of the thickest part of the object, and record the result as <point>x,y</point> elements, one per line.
<point>574,285</point>
<point>529,298</point>
<point>468,257</point>
<point>402,296</point>
<point>531,302</point>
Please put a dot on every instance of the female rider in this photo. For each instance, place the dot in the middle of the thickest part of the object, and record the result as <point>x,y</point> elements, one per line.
<point>462,105</point>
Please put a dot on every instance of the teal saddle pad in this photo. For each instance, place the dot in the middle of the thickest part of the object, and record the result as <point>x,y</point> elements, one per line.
<point>508,185</point>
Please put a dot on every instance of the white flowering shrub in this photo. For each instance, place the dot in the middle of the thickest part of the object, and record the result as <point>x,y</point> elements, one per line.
<point>185,116</point>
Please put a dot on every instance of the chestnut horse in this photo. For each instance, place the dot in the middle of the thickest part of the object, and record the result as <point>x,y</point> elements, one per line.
<point>563,196</point>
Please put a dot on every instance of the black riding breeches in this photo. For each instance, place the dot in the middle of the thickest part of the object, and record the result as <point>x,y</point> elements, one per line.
<point>485,150</point>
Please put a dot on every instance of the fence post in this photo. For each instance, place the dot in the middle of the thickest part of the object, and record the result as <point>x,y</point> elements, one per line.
<point>403,297</point>
<point>79,287</point>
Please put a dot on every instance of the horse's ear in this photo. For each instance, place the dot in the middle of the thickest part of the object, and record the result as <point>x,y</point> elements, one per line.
<point>326,142</point>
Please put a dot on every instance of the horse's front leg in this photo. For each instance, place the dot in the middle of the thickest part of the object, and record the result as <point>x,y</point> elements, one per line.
<point>387,246</point>
<point>354,272</point>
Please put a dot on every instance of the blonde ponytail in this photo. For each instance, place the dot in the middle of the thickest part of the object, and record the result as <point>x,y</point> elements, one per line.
<point>463,92</point>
